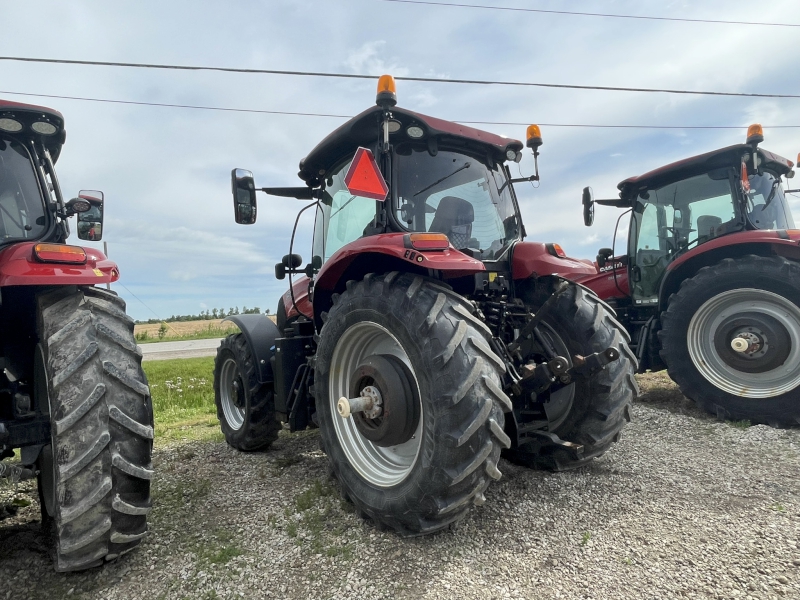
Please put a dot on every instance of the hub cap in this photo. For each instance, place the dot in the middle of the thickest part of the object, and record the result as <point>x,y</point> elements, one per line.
<point>746,342</point>
<point>368,355</point>
<point>231,391</point>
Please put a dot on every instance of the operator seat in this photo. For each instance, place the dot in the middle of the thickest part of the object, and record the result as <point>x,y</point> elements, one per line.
<point>707,227</point>
<point>454,218</point>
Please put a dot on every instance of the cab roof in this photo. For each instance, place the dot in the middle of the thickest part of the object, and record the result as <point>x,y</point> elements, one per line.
<point>702,163</point>
<point>365,130</point>
<point>27,114</point>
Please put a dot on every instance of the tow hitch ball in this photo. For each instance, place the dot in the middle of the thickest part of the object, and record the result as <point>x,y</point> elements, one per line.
<point>541,376</point>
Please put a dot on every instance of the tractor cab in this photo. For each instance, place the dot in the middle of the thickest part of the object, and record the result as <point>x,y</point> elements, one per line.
<point>389,170</point>
<point>676,209</point>
<point>31,205</point>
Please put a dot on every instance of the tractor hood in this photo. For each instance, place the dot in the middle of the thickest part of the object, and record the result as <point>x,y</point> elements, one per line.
<point>365,130</point>
<point>688,167</point>
<point>28,121</point>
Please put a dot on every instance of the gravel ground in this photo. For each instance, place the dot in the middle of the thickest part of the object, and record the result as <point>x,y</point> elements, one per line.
<point>683,507</point>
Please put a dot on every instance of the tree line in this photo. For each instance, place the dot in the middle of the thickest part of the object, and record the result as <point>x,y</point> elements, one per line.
<point>209,314</point>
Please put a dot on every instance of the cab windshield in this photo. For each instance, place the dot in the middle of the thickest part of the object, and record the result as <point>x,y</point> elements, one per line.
<point>21,206</point>
<point>458,195</point>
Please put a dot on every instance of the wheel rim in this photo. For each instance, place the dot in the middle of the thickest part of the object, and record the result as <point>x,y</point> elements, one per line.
<point>738,340</point>
<point>231,392</point>
<point>381,466</point>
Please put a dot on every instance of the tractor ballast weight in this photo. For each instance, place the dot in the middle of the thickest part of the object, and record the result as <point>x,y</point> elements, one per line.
<point>709,287</point>
<point>74,400</point>
<point>424,336</point>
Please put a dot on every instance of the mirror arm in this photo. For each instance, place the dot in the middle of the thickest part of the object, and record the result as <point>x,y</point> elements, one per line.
<point>517,180</point>
<point>301,193</point>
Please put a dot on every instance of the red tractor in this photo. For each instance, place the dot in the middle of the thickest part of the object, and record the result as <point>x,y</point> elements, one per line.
<point>424,336</point>
<point>74,399</point>
<point>710,285</point>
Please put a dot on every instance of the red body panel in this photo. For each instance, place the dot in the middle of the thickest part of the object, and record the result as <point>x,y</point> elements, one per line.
<point>18,266</point>
<point>769,236</point>
<point>602,280</point>
<point>532,259</point>
<point>450,261</point>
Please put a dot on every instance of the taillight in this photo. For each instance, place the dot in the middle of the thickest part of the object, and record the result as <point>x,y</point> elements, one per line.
<point>59,253</point>
<point>556,250</point>
<point>427,241</point>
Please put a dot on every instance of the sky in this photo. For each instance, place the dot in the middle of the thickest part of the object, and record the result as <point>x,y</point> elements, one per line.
<point>165,172</point>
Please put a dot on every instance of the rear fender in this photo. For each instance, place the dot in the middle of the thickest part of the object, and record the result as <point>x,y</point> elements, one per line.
<point>381,254</point>
<point>260,333</point>
<point>533,259</point>
<point>19,266</point>
<point>736,245</point>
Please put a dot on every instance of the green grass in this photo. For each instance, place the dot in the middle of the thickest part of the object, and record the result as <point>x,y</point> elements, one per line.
<point>740,424</point>
<point>208,332</point>
<point>183,399</point>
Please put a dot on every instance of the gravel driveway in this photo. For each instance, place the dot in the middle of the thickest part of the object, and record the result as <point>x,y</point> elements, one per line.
<point>683,507</point>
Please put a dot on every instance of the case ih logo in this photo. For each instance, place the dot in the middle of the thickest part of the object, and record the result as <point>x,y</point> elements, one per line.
<point>364,177</point>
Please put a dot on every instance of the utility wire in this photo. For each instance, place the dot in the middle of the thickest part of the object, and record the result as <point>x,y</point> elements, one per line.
<point>589,14</point>
<point>399,78</point>
<point>310,114</point>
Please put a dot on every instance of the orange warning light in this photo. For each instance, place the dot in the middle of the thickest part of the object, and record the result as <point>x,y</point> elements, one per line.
<point>755,134</point>
<point>534,136</point>
<point>59,253</point>
<point>364,177</point>
<point>387,92</point>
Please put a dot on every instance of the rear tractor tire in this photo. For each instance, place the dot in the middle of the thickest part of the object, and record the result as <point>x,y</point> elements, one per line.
<point>589,412</point>
<point>432,451</point>
<point>731,339</point>
<point>245,407</point>
<point>94,478</point>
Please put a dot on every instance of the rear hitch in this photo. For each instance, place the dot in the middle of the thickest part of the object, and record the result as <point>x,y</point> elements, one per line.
<point>539,377</point>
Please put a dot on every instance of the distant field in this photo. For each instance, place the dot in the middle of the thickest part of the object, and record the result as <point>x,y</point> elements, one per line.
<point>185,330</point>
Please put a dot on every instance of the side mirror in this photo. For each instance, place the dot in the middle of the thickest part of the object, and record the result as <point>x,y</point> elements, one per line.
<point>89,208</point>
<point>289,264</point>
<point>588,206</point>
<point>603,255</point>
<point>244,196</point>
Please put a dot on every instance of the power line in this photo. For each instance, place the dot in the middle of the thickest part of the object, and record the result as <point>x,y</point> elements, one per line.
<point>311,114</point>
<point>589,14</point>
<point>399,78</point>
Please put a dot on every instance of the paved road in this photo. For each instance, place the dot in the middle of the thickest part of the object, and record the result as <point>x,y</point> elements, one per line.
<point>184,349</point>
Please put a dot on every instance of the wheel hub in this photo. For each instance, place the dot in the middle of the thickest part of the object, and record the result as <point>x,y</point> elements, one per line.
<point>392,406</point>
<point>752,342</point>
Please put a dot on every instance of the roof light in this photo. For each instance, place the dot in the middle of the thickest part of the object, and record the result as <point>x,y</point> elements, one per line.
<point>10,125</point>
<point>387,92</point>
<point>59,253</point>
<point>415,131</point>
<point>511,154</point>
<point>44,128</point>
<point>364,177</point>
<point>755,134</point>
<point>428,241</point>
<point>534,137</point>
<point>394,126</point>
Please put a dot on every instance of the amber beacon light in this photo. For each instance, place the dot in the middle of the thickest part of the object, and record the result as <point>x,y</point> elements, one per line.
<point>387,92</point>
<point>755,134</point>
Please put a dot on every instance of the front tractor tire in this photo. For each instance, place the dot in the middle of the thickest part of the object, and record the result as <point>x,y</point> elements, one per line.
<point>590,412</point>
<point>245,407</point>
<point>731,339</point>
<point>94,477</point>
<point>433,450</point>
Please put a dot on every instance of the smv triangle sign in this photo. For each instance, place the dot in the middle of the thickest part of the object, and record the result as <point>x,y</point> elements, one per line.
<point>364,177</point>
